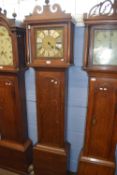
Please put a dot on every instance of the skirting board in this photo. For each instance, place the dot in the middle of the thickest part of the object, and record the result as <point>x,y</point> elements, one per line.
<point>6,172</point>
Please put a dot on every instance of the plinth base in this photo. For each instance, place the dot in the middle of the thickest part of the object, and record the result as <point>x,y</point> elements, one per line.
<point>50,160</point>
<point>16,157</point>
<point>95,166</point>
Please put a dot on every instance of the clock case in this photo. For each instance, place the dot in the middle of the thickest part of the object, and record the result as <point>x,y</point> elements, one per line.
<point>15,146</point>
<point>98,152</point>
<point>47,20</point>
<point>51,153</point>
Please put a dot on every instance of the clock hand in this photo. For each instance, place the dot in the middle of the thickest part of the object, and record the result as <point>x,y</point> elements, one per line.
<point>50,45</point>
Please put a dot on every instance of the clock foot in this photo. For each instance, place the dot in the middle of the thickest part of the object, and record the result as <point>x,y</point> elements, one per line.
<point>94,166</point>
<point>16,156</point>
<point>50,160</point>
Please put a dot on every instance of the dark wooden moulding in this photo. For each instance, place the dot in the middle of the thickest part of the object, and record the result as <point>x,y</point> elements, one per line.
<point>15,146</point>
<point>51,153</point>
<point>98,153</point>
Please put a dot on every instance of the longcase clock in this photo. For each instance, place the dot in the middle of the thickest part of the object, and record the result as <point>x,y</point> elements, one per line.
<point>50,52</point>
<point>100,62</point>
<point>15,146</point>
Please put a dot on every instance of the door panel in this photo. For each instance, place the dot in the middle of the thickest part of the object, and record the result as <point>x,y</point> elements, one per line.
<point>102,117</point>
<point>50,107</point>
<point>8,114</point>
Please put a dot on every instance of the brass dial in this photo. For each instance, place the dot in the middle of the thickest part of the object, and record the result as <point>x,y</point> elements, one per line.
<point>49,43</point>
<point>6,54</point>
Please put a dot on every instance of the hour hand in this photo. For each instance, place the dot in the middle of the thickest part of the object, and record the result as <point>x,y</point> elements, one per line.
<point>50,45</point>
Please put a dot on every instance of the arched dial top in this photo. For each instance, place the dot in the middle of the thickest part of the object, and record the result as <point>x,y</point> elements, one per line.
<point>6,51</point>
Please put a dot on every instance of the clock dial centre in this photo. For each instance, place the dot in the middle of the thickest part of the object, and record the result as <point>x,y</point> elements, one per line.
<point>49,42</point>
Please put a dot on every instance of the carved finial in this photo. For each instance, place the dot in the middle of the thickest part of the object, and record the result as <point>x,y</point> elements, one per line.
<point>47,2</point>
<point>14,15</point>
<point>48,11</point>
<point>5,12</point>
<point>104,8</point>
<point>0,10</point>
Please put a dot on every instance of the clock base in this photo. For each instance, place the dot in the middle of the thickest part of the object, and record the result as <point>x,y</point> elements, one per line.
<point>16,157</point>
<point>92,166</point>
<point>50,160</point>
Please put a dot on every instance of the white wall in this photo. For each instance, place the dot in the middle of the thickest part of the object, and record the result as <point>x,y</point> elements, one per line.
<point>24,7</point>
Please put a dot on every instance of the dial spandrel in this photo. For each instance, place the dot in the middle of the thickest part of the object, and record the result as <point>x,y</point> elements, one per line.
<point>105,47</point>
<point>49,43</point>
<point>6,53</point>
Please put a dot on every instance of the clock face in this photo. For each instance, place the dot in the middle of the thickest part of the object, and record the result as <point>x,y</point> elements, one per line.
<point>105,47</point>
<point>49,43</point>
<point>6,54</point>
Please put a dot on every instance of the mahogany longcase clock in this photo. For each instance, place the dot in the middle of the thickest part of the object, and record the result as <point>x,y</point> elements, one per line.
<point>100,62</point>
<point>50,52</point>
<point>15,147</point>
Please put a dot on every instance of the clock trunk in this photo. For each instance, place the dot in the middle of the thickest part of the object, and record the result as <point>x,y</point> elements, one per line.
<point>51,152</point>
<point>15,146</point>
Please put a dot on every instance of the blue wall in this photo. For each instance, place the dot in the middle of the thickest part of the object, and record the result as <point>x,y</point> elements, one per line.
<point>78,82</point>
<point>77,101</point>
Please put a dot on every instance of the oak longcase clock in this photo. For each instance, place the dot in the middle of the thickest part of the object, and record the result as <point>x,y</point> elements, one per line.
<point>15,146</point>
<point>100,62</point>
<point>50,52</point>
